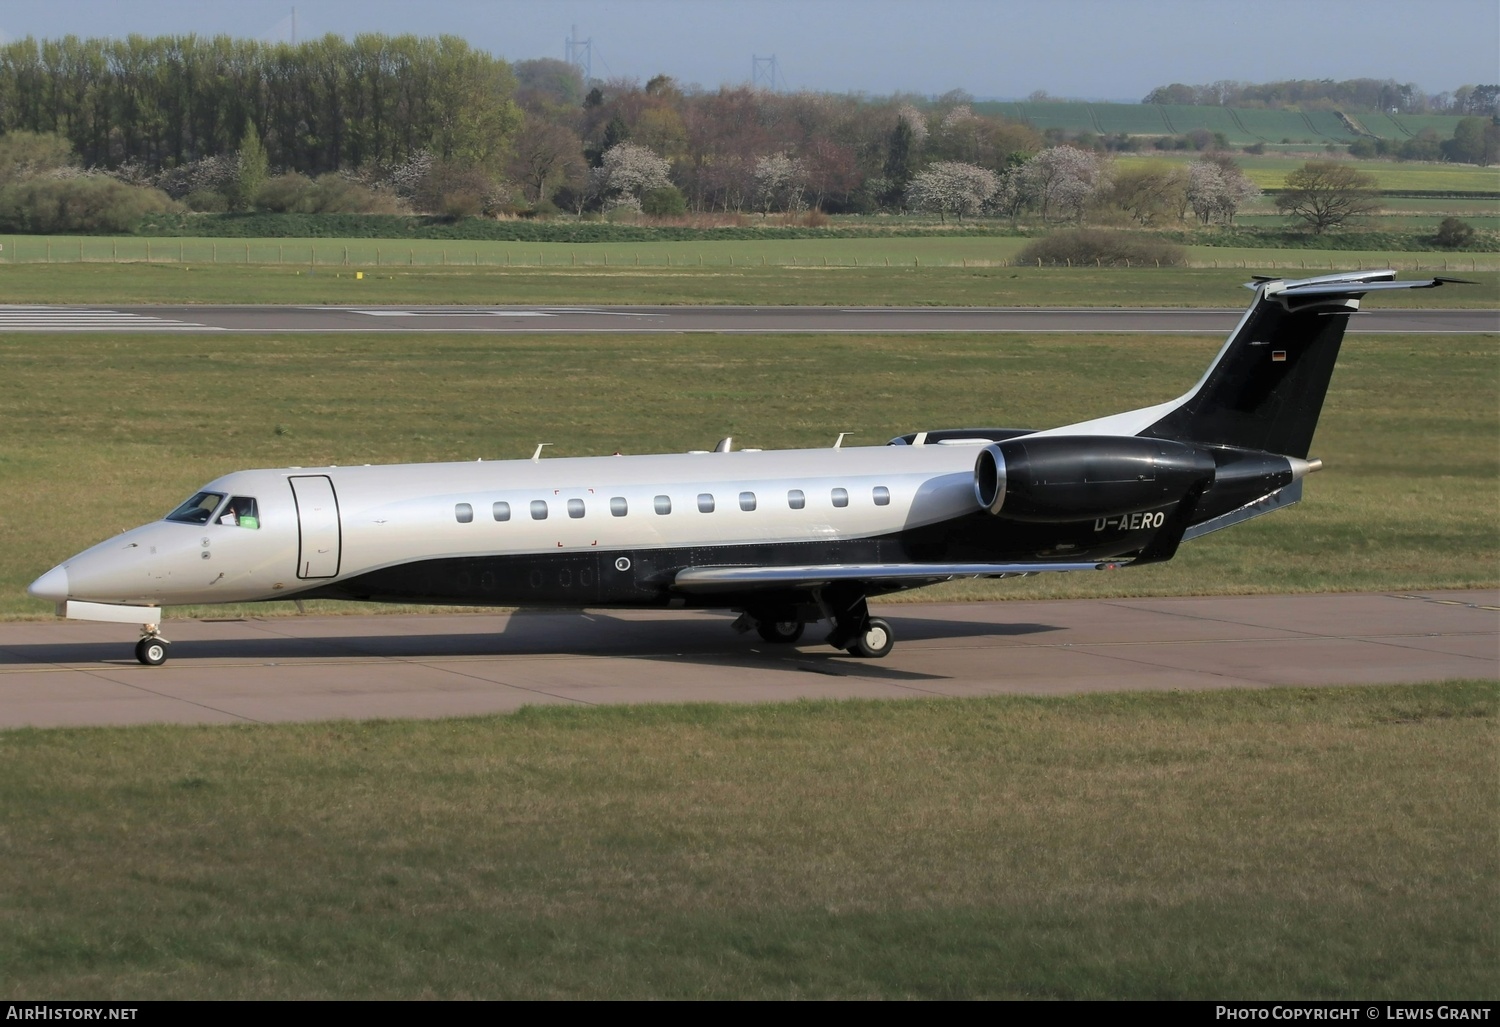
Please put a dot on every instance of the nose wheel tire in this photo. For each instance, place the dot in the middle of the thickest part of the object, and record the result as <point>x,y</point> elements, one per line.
<point>780,632</point>
<point>151,651</point>
<point>875,641</point>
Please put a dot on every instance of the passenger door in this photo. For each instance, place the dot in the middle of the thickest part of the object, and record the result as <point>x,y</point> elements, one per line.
<point>319,534</point>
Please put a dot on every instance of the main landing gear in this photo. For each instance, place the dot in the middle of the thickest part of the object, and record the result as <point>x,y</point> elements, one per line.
<point>152,650</point>
<point>875,641</point>
<point>780,632</point>
<point>854,630</point>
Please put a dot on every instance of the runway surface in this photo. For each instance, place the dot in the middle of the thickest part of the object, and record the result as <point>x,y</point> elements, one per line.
<point>722,320</point>
<point>313,668</point>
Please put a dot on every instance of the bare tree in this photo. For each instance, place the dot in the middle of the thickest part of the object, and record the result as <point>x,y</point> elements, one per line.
<point>1326,194</point>
<point>1150,192</point>
<point>546,155</point>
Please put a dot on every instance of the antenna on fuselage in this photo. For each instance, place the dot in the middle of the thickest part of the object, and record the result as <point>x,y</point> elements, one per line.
<point>537,456</point>
<point>725,445</point>
<point>838,443</point>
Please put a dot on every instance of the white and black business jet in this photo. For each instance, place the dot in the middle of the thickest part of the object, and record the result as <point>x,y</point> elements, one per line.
<point>785,537</point>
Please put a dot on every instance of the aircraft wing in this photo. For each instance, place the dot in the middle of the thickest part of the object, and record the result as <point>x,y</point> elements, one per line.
<point>708,580</point>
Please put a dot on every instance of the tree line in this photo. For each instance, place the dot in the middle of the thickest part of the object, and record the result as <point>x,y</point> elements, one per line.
<point>95,132</point>
<point>318,106</point>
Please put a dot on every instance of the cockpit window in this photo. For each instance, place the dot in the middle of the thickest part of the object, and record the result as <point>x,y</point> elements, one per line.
<point>198,509</point>
<point>242,512</point>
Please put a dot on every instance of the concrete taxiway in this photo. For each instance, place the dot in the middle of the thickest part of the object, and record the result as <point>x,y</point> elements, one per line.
<point>720,320</point>
<point>55,673</point>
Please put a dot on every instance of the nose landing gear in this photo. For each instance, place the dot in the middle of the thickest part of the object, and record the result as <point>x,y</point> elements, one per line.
<point>152,650</point>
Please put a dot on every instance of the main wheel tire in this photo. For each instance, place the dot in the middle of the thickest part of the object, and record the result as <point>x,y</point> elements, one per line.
<point>780,632</point>
<point>875,641</point>
<point>151,651</point>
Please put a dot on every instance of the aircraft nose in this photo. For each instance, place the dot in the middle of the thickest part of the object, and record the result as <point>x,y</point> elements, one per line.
<point>52,586</point>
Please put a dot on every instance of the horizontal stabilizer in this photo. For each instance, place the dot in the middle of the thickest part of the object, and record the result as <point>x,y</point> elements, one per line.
<point>1356,289</point>
<point>706,580</point>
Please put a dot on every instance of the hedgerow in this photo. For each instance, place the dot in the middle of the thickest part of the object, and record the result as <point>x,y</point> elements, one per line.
<point>291,225</point>
<point>1103,247</point>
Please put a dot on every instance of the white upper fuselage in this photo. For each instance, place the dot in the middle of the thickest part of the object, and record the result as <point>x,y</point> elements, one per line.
<point>389,515</point>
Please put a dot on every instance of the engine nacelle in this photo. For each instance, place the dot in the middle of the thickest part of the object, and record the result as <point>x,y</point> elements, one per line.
<point>1085,477</point>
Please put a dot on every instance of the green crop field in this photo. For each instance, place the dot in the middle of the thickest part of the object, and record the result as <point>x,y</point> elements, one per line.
<point>1277,844</point>
<point>1241,126</point>
<point>1269,171</point>
<point>105,432</point>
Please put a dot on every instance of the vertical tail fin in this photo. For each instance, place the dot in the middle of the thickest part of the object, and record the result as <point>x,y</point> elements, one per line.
<point>1264,390</point>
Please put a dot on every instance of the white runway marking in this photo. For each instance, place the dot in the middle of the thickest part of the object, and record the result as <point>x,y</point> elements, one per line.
<point>86,319</point>
<point>485,312</point>
<point>444,313</point>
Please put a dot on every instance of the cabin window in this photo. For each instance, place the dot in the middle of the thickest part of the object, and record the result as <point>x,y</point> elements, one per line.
<point>705,502</point>
<point>618,507</point>
<point>538,509</point>
<point>663,504</point>
<point>575,508</point>
<point>840,497</point>
<point>795,499</point>
<point>882,496</point>
<point>464,512</point>
<point>501,511</point>
<point>747,501</point>
<point>241,511</point>
<point>198,509</point>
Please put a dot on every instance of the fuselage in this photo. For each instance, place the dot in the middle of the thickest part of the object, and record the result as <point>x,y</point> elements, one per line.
<point>574,531</point>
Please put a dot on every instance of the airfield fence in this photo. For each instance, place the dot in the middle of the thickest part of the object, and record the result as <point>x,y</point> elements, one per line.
<point>316,255</point>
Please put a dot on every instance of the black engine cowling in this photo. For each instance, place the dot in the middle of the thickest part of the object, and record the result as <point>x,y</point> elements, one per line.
<point>1081,477</point>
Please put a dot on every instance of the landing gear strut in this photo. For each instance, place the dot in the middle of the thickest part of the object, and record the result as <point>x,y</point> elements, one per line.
<point>854,630</point>
<point>152,650</point>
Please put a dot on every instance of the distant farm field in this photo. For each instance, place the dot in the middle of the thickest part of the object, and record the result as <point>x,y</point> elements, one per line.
<point>1240,126</point>
<point>1269,172</point>
<point>106,432</point>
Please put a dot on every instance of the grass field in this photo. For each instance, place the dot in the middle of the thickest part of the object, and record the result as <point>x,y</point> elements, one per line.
<point>331,256</point>
<point>1271,844</point>
<point>106,432</point>
<point>1269,171</point>
<point>1215,284</point>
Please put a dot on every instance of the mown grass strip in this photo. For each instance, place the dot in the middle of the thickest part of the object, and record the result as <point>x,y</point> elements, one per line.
<point>916,282</point>
<point>1354,250</point>
<point>1247,844</point>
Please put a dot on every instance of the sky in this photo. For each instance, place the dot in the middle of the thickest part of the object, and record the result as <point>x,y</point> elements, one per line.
<point>1085,49</point>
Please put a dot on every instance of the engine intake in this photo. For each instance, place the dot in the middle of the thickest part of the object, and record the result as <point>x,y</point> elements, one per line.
<point>1081,477</point>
